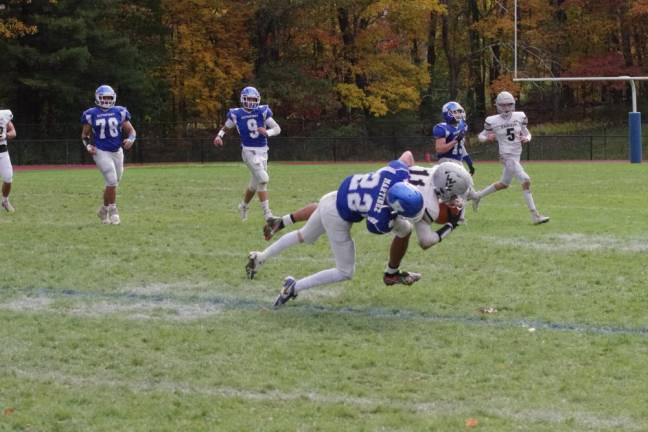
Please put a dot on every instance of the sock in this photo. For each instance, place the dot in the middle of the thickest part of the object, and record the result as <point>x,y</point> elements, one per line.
<point>390,270</point>
<point>321,278</point>
<point>265,206</point>
<point>289,240</point>
<point>486,191</point>
<point>529,201</point>
<point>287,220</point>
<point>113,206</point>
<point>5,199</point>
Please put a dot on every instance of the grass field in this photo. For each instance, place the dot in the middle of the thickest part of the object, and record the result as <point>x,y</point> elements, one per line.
<point>152,326</point>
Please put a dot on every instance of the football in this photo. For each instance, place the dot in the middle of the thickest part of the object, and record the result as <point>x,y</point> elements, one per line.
<point>445,211</point>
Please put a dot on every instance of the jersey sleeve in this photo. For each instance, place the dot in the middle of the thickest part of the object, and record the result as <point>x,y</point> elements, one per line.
<point>439,131</point>
<point>267,112</point>
<point>86,117</point>
<point>231,115</point>
<point>380,223</point>
<point>125,115</point>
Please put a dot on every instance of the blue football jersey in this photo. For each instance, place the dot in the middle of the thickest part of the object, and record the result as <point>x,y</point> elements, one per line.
<point>449,132</point>
<point>365,196</point>
<point>247,123</point>
<point>106,126</point>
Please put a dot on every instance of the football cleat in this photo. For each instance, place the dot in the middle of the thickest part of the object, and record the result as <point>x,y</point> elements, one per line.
<point>243,211</point>
<point>253,265</point>
<point>405,278</point>
<point>273,226</point>
<point>7,206</point>
<point>103,215</point>
<point>113,216</point>
<point>287,291</point>
<point>538,219</point>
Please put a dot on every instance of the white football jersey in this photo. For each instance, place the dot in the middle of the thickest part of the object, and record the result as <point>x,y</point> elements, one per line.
<point>508,131</point>
<point>5,117</point>
<point>421,178</point>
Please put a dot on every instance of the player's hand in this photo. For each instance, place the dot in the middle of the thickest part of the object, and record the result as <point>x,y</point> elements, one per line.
<point>127,144</point>
<point>262,131</point>
<point>453,218</point>
<point>91,149</point>
<point>490,136</point>
<point>524,139</point>
<point>218,141</point>
<point>471,170</point>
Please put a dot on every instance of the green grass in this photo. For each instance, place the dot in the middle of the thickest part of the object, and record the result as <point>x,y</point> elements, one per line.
<point>152,326</point>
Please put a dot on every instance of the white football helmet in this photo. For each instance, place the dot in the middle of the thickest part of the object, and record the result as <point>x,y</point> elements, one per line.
<point>505,103</point>
<point>105,97</point>
<point>452,183</point>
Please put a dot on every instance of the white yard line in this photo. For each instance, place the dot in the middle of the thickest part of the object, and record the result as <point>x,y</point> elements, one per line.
<point>501,407</point>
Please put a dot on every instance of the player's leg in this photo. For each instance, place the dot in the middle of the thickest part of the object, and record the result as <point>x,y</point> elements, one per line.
<point>257,162</point>
<point>397,251</point>
<point>276,224</point>
<point>343,247</point>
<point>503,183</point>
<point>309,233</point>
<point>106,166</point>
<point>525,180</point>
<point>6,172</point>
<point>118,164</point>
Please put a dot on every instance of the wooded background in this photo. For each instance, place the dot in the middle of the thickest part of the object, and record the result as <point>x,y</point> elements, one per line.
<point>328,68</point>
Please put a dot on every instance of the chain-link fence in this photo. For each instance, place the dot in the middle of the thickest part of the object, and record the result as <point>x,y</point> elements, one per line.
<point>282,148</point>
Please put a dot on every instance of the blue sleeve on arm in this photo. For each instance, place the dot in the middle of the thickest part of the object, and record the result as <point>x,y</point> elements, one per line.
<point>467,159</point>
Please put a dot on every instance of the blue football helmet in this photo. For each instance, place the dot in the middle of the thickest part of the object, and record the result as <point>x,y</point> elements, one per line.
<point>405,199</point>
<point>105,97</point>
<point>250,98</point>
<point>453,112</point>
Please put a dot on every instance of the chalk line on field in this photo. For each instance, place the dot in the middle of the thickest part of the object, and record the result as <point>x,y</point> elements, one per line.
<point>171,306</point>
<point>502,407</point>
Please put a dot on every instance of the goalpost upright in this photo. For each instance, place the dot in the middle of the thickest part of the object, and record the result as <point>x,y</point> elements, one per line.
<point>634,117</point>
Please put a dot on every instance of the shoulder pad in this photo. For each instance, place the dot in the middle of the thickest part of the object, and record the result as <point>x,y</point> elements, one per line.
<point>6,114</point>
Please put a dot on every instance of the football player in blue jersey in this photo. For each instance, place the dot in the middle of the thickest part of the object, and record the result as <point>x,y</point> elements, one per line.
<point>106,129</point>
<point>382,198</point>
<point>450,136</point>
<point>7,132</point>
<point>254,124</point>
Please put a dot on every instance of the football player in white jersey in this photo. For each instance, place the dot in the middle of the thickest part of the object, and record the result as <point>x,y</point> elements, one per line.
<point>509,127</point>
<point>7,132</point>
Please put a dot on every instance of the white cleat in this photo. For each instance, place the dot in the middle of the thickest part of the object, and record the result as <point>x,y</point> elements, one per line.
<point>102,213</point>
<point>538,219</point>
<point>113,216</point>
<point>253,265</point>
<point>243,211</point>
<point>7,206</point>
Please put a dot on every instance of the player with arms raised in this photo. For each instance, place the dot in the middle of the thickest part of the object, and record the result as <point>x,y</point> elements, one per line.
<point>509,127</point>
<point>102,135</point>
<point>254,124</point>
<point>7,132</point>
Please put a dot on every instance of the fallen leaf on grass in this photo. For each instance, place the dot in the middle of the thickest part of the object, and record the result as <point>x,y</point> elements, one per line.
<point>471,422</point>
<point>8,411</point>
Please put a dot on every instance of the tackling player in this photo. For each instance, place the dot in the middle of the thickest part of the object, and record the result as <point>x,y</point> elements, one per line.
<point>7,132</point>
<point>254,124</point>
<point>383,198</point>
<point>102,135</point>
<point>509,127</point>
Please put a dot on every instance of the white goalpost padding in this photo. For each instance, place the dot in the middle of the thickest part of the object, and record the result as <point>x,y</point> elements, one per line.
<point>634,117</point>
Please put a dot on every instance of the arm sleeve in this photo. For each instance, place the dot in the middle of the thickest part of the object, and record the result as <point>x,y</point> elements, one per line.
<point>483,135</point>
<point>525,132</point>
<point>229,123</point>
<point>274,128</point>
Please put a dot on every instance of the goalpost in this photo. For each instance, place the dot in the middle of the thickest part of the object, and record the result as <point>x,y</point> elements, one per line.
<point>634,117</point>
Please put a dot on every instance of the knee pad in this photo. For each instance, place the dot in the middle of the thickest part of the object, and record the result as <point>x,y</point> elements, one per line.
<point>7,178</point>
<point>261,176</point>
<point>252,185</point>
<point>347,270</point>
<point>263,187</point>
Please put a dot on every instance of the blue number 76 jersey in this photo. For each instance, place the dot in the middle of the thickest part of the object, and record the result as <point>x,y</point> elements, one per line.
<point>365,196</point>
